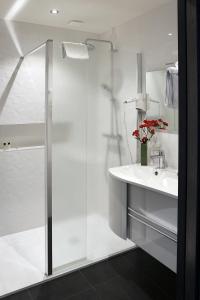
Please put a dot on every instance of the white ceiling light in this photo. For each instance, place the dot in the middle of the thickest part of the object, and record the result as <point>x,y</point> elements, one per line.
<point>170,34</point>
<point>54,11</point>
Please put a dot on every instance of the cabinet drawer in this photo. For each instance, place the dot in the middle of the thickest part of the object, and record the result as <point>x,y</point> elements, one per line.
<point>153,241</point>
<point>154,205</point>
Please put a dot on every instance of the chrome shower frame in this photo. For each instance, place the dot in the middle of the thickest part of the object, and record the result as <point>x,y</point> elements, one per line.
<point>48,149</point>
<point>48,155</point>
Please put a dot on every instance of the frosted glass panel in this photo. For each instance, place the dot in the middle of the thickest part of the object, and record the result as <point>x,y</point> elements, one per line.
<point>68,162</point>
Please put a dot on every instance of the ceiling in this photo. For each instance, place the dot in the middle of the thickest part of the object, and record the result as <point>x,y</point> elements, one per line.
<point>98,15</point>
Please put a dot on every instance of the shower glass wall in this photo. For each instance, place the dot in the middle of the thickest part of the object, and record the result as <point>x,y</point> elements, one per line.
<point>69,160</point>
<point>86,142</point>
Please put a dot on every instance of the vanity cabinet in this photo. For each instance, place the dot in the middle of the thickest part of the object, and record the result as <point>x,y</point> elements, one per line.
<point>152,223</point>
<point>146,216</point>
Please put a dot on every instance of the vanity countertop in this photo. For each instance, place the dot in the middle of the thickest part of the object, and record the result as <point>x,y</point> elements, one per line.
<point>165,182</point>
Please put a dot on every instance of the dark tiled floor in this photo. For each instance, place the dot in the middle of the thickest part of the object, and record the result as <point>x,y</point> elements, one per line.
<point>133,275</point>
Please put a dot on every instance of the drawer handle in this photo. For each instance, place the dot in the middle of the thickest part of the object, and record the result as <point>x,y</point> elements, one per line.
<point>143,217</point>
<point>154,228</point>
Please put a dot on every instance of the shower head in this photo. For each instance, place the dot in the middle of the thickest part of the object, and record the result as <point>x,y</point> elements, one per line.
<point>81,50</point>
<point>76,50</point>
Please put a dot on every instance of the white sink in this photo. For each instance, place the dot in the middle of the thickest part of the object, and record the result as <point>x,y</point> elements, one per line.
<point>166,181</point>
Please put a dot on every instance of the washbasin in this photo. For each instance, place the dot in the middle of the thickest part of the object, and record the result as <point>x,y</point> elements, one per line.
<point>165,180</point>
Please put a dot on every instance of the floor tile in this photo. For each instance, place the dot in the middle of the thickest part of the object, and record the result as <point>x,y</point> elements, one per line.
<point>140,287</point>
<point>99,273</point>
<point>120,264</point>
<point>145,271</point>
<point>133,275</point>
<point>88,295</point>
<point>112,290</point>
<point>61,288</point>
<point>161,275</point>
<point>19,296</point>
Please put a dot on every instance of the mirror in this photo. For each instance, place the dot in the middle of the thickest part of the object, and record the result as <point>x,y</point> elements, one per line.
<point>157,108</point>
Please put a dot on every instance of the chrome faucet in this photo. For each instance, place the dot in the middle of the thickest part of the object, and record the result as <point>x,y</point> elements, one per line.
<point>159,156</point>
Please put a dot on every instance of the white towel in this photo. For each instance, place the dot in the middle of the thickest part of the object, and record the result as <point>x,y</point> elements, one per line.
<point>171,97</point>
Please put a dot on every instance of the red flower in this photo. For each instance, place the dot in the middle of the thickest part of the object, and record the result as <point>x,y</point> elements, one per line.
<point>152,131</point>
<point>144,140</point>
<point>149,123</point>
<point>155,123</point>
<point>147,129</point>
<point>136,133</point>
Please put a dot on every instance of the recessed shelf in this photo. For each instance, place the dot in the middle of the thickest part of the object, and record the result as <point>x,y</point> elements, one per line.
<point>22,148</point>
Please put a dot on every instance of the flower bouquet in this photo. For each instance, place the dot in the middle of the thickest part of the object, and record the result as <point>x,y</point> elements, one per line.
<point>144,134</point>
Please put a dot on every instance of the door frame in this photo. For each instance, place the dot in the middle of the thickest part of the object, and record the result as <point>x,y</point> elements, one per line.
<point>188,255</point>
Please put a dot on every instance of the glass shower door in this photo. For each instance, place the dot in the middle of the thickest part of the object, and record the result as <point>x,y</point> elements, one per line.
<point>69,161</point>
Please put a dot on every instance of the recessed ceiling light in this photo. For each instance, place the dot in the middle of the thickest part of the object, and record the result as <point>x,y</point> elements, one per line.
<point>54,11</point>
<point>170,34</point>
<point>75,22</point>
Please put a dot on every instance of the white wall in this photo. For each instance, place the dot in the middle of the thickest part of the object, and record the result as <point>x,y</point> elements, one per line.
<point>147,34</point>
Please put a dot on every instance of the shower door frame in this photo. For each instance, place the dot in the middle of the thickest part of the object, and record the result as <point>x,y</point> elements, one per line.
<point>48,150</point>
<point>48,156</point>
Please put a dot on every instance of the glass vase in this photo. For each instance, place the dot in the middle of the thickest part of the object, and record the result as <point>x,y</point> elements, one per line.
<point>144,154</point>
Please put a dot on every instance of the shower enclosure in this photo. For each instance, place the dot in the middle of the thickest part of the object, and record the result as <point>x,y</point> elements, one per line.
<point>74,142</point>
<point>83,139</point>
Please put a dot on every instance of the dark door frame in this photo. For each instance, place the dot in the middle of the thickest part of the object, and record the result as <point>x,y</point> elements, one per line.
<point>188,271</point>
